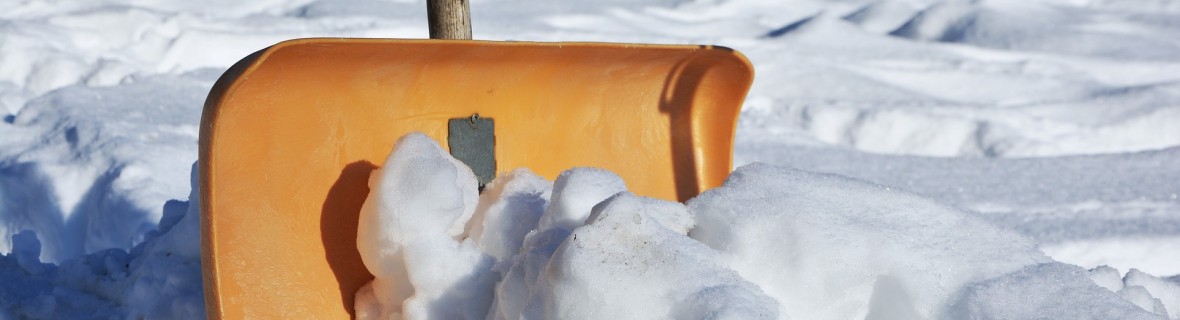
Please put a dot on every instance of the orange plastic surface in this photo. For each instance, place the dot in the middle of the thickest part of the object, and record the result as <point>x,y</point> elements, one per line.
<point>291,133</point>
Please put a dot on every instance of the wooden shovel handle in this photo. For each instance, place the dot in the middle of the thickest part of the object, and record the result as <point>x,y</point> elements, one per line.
<point>449,19</point>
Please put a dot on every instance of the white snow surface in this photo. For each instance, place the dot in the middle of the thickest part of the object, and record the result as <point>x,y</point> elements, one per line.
<point>1052,120</point>
<point>771,243</point>
<point>416,211</point>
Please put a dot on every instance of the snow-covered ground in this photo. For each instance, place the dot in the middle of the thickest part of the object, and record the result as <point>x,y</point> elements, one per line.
<point>1056,119</point>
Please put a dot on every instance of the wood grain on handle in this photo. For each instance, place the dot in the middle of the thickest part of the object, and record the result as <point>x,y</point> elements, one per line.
<point>449,19</point>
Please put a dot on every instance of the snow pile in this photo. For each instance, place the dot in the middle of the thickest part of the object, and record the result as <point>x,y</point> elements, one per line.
<point>628,252</point>
<point>431,263</point>
<point>830,247</point>
<point>1144,290</point>
<point>158,279</point>
<point>1052,118</point>
<point>993,79</point>
<point>1055,119</point>
<point>1046,291</point>
<point>772,243</point>
<point>88,169</point>
<point>833,245</point>
<point>1038,27</point>
<point>411,236</point>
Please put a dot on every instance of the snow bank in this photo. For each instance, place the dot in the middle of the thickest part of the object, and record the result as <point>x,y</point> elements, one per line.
<point>88,169</point>
<point>1161,295</point>
<point>1045,291</point>
<point>968,79</point>
<point>1123,215</point>
<point>633,256</point>
<point>830,247</point>
<point>54,45</point>
<point>1042,27</point>
<point>945,98</point>
<point>771,243</point>
<point>157,279</point>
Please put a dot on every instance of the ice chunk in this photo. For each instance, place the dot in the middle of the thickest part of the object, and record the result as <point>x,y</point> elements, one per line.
<point>1044,291</point>
<point>828,247</point>
<point>409,237</point>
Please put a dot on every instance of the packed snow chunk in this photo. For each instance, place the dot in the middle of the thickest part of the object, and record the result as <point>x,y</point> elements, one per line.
<point>1107,277</point>
<point>1139,296</point>
<point>509,207</point>
<point>574,194</point>
<point>418,177</point>
<point>1168,292</point>
<point>165,279</point>
<point>410,235</point>
<point>1044,291</point>
<point>1132,288</point>
<point>633,261</point>
<point>32,289</point>
<point>26,250</point>
<point>831,247</point>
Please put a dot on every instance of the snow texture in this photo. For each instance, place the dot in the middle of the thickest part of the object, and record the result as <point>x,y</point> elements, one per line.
<point>1044,291</point>
<point>158,279</point>
<point>1048,118</point>
<point>411,238</point>
<point>771,243</point>
<point>626,252</point>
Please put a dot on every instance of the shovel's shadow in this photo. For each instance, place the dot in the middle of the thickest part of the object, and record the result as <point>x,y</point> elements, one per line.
<point>338,225</point>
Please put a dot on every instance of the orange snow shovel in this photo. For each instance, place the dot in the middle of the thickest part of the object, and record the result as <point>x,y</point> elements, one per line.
<point>290,135</point>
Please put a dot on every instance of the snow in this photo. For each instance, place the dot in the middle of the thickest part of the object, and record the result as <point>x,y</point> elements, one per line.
<point>1050,120</point>
<point>1166,293</point>
<point>771,243</point>
<point>1089,210</point>
<point>159,278</point>
<point>411,233</point>
<point>1044,291</point>
<point>508,209</point>
<point>574,194</point>
<point>89,168</point>
<point>630,253</point>
<point>633,255</point>
<point>826,245</point>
